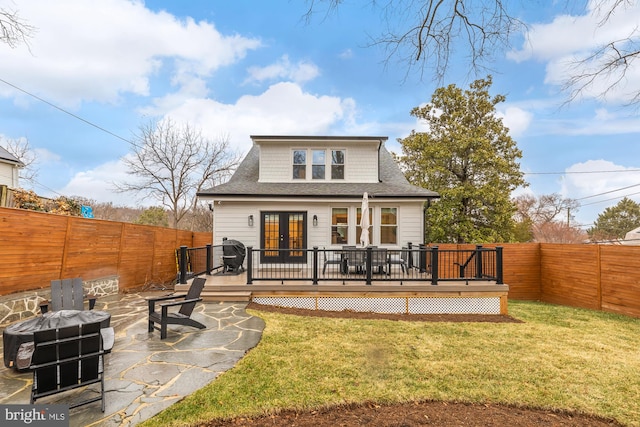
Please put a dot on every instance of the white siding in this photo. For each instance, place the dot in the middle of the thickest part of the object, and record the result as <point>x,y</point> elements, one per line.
<point>231,221</point>
<point>8,175</point>
<point>361,161</point>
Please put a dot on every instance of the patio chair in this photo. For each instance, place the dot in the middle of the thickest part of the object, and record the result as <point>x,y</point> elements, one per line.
<point>68,358</point>
<point>403,261</point>
<point>183,317</point>
<point>379,260</point>
<point>336,258</point>
<point>67,294</point>
<point>356,259</point>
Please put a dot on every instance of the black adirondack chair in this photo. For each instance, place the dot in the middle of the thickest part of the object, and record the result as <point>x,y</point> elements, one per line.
<point>67,294</point>
<point>182,317</point>
<point>68,358</point>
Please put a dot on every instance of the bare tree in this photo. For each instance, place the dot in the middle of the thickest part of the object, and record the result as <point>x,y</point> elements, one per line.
<point>549,217</point>
<point>22,151</point>
<point>14,30</point>
<point>432,30</point>
<point>605,67</point>
<point>424,34</point>
<point>172,162</point>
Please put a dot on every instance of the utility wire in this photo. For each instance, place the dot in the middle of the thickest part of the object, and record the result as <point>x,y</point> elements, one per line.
<point>66,112</point>
<point>608,192</point>
<point>580,172</point>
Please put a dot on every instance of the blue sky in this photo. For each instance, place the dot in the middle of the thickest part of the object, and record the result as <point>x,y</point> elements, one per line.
<point>237,68</point>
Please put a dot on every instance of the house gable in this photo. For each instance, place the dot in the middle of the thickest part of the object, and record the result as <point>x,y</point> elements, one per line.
<point>9,167</point>
<point>257,175</point>
<point>265,194</point>
<point>318,159</point>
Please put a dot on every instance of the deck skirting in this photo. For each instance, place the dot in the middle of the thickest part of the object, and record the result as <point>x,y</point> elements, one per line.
<point>389,297</point>
<point>392,304</point>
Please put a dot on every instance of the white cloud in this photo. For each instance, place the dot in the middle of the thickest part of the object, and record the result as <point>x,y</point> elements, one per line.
<point>86,51</point>
<point>567,40</point>
<point>516,119</point>
<point>597,191</point>
<point>283,109</point>
<point>346,54</point>
<point>283,69</point>
<point>99,184</point>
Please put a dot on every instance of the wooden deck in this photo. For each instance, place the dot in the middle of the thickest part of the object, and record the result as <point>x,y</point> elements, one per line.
<point>480,297</point>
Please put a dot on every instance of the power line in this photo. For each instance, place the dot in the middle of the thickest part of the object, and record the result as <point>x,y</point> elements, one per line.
<point>580,172</point>
<point>608,192</point>
<point>606,200</point>
<point>66,112</point>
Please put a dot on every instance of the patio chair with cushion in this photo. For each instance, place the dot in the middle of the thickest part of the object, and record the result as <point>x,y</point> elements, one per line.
<point>67,294</point>
<point>182,317</point>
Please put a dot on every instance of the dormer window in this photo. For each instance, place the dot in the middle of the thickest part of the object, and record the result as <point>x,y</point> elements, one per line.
<point>314,163</point>
<point>317,168</point>
<point>300,164</point>
<point>337,164</point>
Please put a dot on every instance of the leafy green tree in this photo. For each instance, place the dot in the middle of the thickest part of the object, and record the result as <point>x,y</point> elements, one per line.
<point>469,158</point>
<point>616,221</point>
<point>153,216</point>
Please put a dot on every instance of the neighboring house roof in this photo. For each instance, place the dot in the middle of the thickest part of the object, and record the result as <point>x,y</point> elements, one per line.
<point>7,157</point>
<point>632,237</point>
<point>244,183</point>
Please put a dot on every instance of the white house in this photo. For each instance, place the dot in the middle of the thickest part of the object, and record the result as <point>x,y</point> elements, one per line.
<point>9,168</point>
<point>294,192</point>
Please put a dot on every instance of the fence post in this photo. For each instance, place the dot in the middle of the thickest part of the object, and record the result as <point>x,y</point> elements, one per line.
<point>368,264</point>
<point>249,265</point>
<point>209,259</point>
<point>410,260</point>
<point>315,265</point>
<point>183,265</point>
<point>478,261</point>
<point>434,265</point>
<point>499,279</point>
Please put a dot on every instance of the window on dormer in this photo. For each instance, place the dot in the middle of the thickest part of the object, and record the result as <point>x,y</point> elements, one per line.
<point>337,164</point>
<point>299,164</point>
<point>318,165</point>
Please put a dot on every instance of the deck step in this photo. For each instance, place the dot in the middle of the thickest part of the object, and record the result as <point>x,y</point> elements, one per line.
<point>226,296</point>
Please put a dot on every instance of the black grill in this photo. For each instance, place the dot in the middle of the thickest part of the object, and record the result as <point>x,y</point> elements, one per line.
<point>233,255</point>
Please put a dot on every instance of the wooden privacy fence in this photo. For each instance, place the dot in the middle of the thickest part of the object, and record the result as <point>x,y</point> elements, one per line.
<point>37,247</point>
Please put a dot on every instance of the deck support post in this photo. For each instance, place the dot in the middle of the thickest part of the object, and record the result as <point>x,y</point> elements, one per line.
<point>434,265</point>
<point>368,267</point>
<point>499,278</point>
<point>249,265</point>
<point>209,259</point>
<point>315,265</point>
<point>183,264</point>
<point>478,261</point>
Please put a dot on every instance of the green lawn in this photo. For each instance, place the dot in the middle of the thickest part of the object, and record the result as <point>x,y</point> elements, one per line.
<point>559,357</point>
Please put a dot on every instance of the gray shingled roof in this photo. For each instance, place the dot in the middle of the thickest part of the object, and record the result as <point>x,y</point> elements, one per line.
<point>7,157</point>
<point>244,183</point>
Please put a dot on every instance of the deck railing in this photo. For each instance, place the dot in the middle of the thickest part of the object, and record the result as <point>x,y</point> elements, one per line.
<point>195,261</point>
<point>410,264</point>
<point>371,264</point>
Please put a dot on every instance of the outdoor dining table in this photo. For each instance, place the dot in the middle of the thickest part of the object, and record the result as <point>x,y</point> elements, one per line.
<point>17,338</point>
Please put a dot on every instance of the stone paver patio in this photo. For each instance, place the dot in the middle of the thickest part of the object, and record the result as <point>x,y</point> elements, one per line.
<point>143,374</point>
